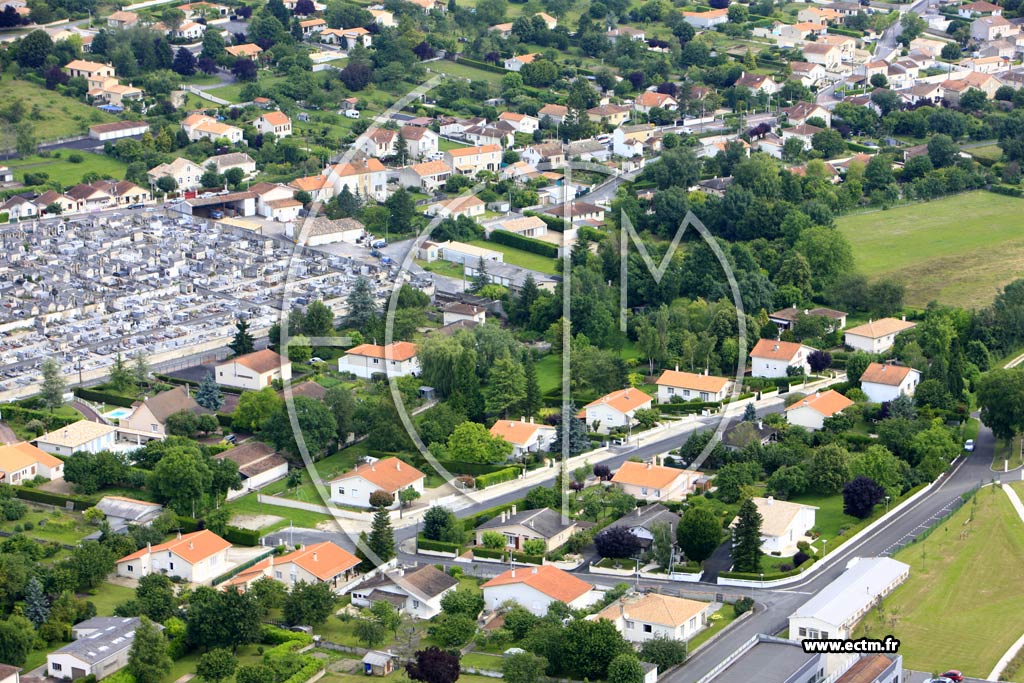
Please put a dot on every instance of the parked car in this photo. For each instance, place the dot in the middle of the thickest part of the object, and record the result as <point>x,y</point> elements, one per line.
<point>969,445</point>
<point>216,214</point>
<point>231,438</point>
<point>954,675</point>
<point>940,679</point>
<point>379,244</point>
<point>352,114</point>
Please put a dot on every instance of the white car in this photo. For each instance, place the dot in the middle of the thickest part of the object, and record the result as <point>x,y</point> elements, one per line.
<point>969,446</point>
<point>352,113</point>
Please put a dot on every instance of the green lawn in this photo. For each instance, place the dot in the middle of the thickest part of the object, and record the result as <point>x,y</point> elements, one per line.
<point>233,92</point>
<point>958,250</point>
<point>464,71</point>
<point>1011,452</point>
<point>51,114</point>
<point>446,268</point>
<point>480,660</point>
<point>523,259</point>
<point>301,518</point>
<point>107,596</point>
<point>963,604</point>
<point>63,171</point>
<point>444,145</point>
<point>718,622</point>
<point>57,526</point>
<point>993,152</point>
<point>549,372</point>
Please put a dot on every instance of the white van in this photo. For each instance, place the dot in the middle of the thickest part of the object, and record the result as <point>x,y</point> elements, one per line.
<point>352,113</point>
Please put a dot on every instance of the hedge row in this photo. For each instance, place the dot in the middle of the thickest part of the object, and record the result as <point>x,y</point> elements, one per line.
<point>475,469</point>
<point>507,474</point>
<point>473,521</point>
<point>511,239</point>
<point>854,147</point>
<point>239,536</point>
<point>192,383</point>
<point>273,635</point>
<point>774,576</point>
<point>235,571</point>
<point>15,413</point>
<point>1007,190</point>
<point>37,496</point>
<point>483,66</point>
<point>437,546</point>
<point>845,32</point>
<point>103,397</point>
<point>503,553</point>
<point>553,222</point>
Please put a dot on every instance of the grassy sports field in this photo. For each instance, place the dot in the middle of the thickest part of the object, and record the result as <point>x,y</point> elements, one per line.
<point>959,250</point>
<point>963,605</point>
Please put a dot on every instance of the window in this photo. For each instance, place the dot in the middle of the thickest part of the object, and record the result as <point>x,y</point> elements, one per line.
<point>277,575</point>
<point>643,491</point>
<point>671,391</point>
<point>803,632</point>
<point>415,604</point>
<point>341,490</point>
<point>170,565</point>
<point>131,568</point>
<point>629,625</point>
<point>648,628</point>
<point>55,666</point>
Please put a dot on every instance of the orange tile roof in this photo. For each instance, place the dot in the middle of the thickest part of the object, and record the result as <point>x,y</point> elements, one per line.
<point>276,118</point>
<point>526,59</point>
<point>654,608</point>
<point>192,548</point>
<point>390,474</point>
<point>691,380</point>
<point>400,351</point>
<point>649,475</point>
<point>515,432</point>
<point>510,116</point>
<point>260,361</point>
<point>429,168</point>
<point>21,455</point>
<point>309,183</point>
<point>467,151</point>
<point>323,560</point>
<point>546,579</point>
<point>879,373</point>
<point>828,403</point>
<point>623,400</point>
<point>775,350</point>
<point>653,99</point>
<point>370,165</point>
<point>245,50</point>
<point>882,327</point>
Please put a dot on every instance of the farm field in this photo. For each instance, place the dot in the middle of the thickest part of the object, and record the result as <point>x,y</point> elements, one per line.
<point>958,250</point>
<point>946,577</point>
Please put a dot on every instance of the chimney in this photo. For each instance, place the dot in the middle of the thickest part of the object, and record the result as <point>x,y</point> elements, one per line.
<point>650,465</point>
<point>775,347</point>
<point>677,367</point>
<point>760,424</point>
<point>270,560</point>
<point>531,419</point>
<point>191,545</point>
<point>513,573</point>
<point>534,570</point>
<point>179,534</point>
<point>705,372</point>
<point>769,500</point>
<point>522,418</point>
<point>903,318</point>
<point>149,548</point>
<point>315,558</point>
<point>398,465</point>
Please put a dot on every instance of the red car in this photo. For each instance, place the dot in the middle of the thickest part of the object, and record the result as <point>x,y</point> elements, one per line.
<point>954,675</point>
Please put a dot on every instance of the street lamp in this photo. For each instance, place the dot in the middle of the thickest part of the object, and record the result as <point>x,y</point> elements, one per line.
<point>762,580</point>
<point>824,547</point>
<point>887,505</point>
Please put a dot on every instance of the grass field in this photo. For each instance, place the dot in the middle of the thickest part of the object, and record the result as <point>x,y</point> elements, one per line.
<point>464,71</point>
<point>993,152</point>
<point>963,605</point>
<point>63,171</point>
<point>1014,453</point>
<point>523,259</point>
<point>52,115</point>
<point>958,251</point>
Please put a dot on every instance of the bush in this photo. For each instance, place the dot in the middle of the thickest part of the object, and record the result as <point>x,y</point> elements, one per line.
<point>742,605</point>
<point>437,546</point>
<point>37,496</point>
<point>239,536</point>
<point>529,244</point>
<point>507,474</point>
<point>75,158</point>
<point>103,397</point>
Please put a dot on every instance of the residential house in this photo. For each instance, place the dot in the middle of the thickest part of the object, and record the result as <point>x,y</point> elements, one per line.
<point>758,83</point>
<point>383,17</point>
<point>455,311</point>
<point>834,611</point>
<point>640,618</point>
<point>311,26</point>
<point>611,114</point>
<point>884,382</point>
<point>89,197</point>
<point>124,512</point>
<point>472,160</point>
<point>544,524</point>
<point>821,15</point>
<point>430,5</point>
<point>785,317</point>
<point>318,187</point>
<point>100,649</point>
<point>198,557</point>
<point>123,192</point>
<point>187,30</point>
<point>250,51</point>
<point>706,20</point>
<point>19,208</point>
<point>876,336</point>
<point>828,56</point>
<point>802,31</point>
<point>525,436</point>
<point>378,142</point>
<point>468,254</point>
<point>535,588</point>
<point>690,386</point>
<point>84,435</point>
<point>258,465</point>
<point>23,462</point>
<point>556,113</point>
<point>200,126</point>
<point>653,483</point>
<point>801,112</point>
<point>550,154</point>
<point>503,136</point>
<point>417,593</point>
<point>122,19</point>
<point>275,122</point>
<point>388,474</point>
<point>504,30</point>
<point>527,226</point>
<point>783,525</point>
<point>630,141</point>
<point>519,61</point>
<point>774,358</point>
<point>613,34</point>
<point>523,123</point>
<point>225,162</point>
<point>367,178</point>
<point>615,410</point>
<point>90,71</point>
<point>642,521</point>
<point>186,174</point>
<point>976,9</point>
<point>420,141</point>
<point>10,674</point>
<point>742,434</point>
<point>324,562</point>
<point>649,99</point>
<point>150,414</point>
<point>110,91</point>
<point>469,206</point>
<point>807,73</point>
<point>588,150</point>
<point>346,38</point>
<point>254,371</point>
<point>812,411</point>
<point>923,93</point>
<point>428,176</point>
<point>366,360</point>
<point>985,29</point>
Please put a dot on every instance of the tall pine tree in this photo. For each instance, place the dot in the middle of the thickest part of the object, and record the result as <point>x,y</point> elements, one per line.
<point>362,306</point>
<point>506,386</point>
<point>465,396</point>
<point>746,543</point>
<point>572,428</point>
<point>37,607</point>
<point>482,278</point>
<point>382,537</point>
<point>243,342</point>
<point>209,395</point>
<point>532,398</point>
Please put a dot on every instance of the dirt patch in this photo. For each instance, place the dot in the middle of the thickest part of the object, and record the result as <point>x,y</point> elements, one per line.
<point>254,522</point>
<point>57,486</point>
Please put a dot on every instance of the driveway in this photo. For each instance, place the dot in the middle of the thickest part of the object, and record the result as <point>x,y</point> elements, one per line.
<point>7,434</point>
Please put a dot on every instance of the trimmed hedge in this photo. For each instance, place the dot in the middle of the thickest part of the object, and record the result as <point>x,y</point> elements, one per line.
<point>511,239</point>
<point>474,469</point>
<point>15,413</point>
<point>507,474</point>
<point>553,222</point>
<point>235,571</point>
<point>224,420</point>
<point>274,635</point>
<point>854,147</point>
<point>473,521</point>
<point>483,66</point>
<point>103,397</point>
<point>187,524</point>
<point>528,559</point>
<point>774,576</point>
<point>437,546</point>
<point>240,536</point>
<point>37,496</point>
<point>492,553</point>
<point>1007,190</point>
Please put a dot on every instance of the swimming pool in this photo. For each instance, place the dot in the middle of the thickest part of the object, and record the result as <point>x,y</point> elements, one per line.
<point>118,413</point>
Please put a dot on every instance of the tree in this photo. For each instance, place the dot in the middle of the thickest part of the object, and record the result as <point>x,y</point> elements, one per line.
<point>663,545</point>
<point>434,665</point>
<point>216,665</point>
<point>309,604</point>
<point>381,499</point>
<point>381,540</point>
<point>33,49</point>
<point>155,597</point>
<point>573,430</point>
<point>213,44</point>
<point>37,607</point>
<point>439,524</point>
<point>746,547</point>
<point>472,442</point>
<point>356,75</point>
<point>523,667</point>
<point>182,423</point>
<point>90,562</point>
<point>617,542</point>
<point>506,386</point>
<point>829,142</point>
<point>731,479</point>
<point>942,150</point>
<point>184,62</point>
<point>166,184</point>
<point>51,392</point>
<point>407,496</point>
<point>787,481</point>
<point>370,632</point>
<point>625,668</point>
<point>950,52</point>
<point>255,673</point>
<point>465,396</point>
<point>16,639</point>
<point>362,306</point>
<point>182,479</point>
<point>664,652</point>
<point>387,615</point>
<point>699,533</point>
<point>209,395</point>
<point>819,360</point>
<point>860,497</point>
<point>148,660</point>
<point>589,647</point>
<point>881,466</point>
<point>222,619</point>
<point>316,424</point>
<point>140,368</point>
<point>856,364</point>
<point>452,630</point>
<point>829,469</point>
<point>242,343</point>
<point>463,601</point>
<point>319,320</point>
<point>1001,397</point>
<point>255,408</point>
